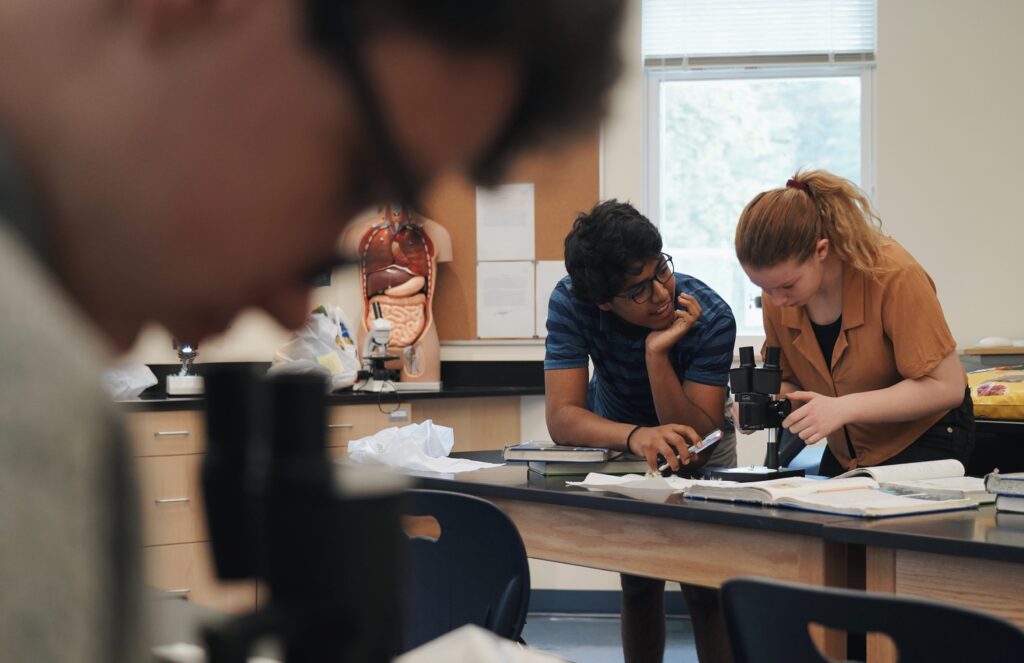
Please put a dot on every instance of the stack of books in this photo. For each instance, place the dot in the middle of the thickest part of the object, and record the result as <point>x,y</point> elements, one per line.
<point>550,459</point>
<point>1009,490</point>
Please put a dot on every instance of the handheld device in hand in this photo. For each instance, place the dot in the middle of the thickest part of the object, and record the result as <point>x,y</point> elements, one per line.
<point>708,441</point>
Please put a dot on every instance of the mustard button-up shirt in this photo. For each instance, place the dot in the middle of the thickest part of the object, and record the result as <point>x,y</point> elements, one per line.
<point>893,328</point>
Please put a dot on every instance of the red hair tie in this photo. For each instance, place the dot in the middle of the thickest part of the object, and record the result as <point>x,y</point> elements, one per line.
<point>797,184</point>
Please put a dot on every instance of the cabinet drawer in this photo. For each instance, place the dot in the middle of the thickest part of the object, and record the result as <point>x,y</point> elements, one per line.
<point>351,422</point>
<point>167,433</point>
<point>172,510</point>
<point>338,452</point>
<point>479,424</point>
<point>187,569</point>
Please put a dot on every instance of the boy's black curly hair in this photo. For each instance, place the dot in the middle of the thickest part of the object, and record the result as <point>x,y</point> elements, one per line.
<point>605,247</point>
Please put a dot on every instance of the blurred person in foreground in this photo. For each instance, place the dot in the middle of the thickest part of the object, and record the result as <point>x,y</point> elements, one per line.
<point>178,161</point>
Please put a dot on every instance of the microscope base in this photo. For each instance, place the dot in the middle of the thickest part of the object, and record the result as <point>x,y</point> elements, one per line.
<point>184,385</point>
<point>374,385</point>
<point>749,473</point>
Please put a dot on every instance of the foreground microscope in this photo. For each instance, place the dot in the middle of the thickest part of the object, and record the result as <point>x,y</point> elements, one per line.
<point>325,543</point>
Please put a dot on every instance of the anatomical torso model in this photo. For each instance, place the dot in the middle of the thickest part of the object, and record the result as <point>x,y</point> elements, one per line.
<point>398,255</point>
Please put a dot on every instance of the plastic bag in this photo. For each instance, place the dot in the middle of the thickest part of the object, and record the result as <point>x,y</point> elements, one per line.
<point>998,392</point>
<point>128,380</point>
<point>322,346</point>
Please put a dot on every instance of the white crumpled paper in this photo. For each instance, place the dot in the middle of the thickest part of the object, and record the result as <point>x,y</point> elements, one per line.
<point>419,447</point>
<point>126,381</point>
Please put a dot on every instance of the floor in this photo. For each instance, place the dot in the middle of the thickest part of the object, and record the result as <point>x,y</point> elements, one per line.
<point>595,638</point>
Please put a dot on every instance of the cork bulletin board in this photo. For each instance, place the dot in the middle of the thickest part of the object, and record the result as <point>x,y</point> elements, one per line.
<point>565,184</point>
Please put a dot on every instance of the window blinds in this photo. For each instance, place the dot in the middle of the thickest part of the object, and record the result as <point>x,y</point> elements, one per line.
<point>693,30</point>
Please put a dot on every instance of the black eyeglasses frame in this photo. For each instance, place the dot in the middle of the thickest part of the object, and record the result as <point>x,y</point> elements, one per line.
<point>645,289</point>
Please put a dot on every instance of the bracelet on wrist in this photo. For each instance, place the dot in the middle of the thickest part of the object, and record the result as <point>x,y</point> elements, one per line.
<point>635,429</point>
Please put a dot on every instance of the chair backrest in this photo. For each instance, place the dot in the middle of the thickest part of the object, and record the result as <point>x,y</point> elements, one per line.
<point>476,572</point>
<point>767,622</point>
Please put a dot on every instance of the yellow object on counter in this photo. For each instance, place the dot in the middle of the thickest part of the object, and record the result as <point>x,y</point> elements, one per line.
<point>998,392</point>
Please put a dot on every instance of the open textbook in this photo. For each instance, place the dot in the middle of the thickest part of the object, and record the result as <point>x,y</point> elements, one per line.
<point>942,478</point>
<point>643,486</point>
<point>853,496</point>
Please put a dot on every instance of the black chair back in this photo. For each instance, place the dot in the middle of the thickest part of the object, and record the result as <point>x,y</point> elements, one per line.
<point>476,572</point>
<point>767,622</point>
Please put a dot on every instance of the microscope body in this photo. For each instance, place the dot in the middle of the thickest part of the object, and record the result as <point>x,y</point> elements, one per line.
<point>185,382</point>
<point>756,392</point>
<point>374,374</point>
<point>758,411</point>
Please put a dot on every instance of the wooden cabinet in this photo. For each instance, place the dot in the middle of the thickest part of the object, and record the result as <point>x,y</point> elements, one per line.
<point>187,569</point>
<point>480,424</point>
<point>169,448</point>
<point>167,433</point>
<point>172,510</point>
<point>351,422</point>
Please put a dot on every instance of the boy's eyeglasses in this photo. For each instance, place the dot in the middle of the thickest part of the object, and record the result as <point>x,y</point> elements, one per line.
<point>642,292</point>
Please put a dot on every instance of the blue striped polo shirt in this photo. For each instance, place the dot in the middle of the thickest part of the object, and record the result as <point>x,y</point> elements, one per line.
<point>619,389</point>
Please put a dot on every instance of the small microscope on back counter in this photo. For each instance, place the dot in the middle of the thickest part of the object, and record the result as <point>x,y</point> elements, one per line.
<point>756,393</point>
<point>185,382</point>
<point>374,375</point>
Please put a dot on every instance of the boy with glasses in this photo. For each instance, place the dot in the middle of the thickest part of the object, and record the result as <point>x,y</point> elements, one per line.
<point>661,344</point>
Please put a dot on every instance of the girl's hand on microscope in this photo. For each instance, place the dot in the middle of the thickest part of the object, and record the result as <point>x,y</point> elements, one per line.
<point>814,416</point>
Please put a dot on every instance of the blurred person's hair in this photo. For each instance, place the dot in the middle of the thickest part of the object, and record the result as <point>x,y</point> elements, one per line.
<point>568,51</point>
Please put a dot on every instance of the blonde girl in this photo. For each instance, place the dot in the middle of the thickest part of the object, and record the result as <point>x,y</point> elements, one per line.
<point>867,357</point>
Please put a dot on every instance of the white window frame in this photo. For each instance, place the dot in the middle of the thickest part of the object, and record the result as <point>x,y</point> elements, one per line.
<point>655,76</point>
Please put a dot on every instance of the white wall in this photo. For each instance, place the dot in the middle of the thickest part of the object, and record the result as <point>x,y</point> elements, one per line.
<point>950,98</point>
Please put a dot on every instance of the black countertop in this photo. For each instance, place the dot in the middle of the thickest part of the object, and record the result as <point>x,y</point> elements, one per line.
<point>978,533</point>
<point>999,426</point>
<point>162,403</point>
<point>514,481</point>
<point>459,379</point>
<point>982,534</point>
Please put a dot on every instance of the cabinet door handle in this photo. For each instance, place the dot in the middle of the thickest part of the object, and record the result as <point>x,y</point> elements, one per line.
<point>180,592</point>
<point>339,425</point>
<point>173,500</point>
<point>171,433</point>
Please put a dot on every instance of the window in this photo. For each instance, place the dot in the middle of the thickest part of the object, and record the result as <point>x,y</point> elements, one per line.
<point>726,124</point>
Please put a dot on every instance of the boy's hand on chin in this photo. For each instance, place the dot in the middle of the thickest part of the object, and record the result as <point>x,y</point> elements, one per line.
<point>662,340</point>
